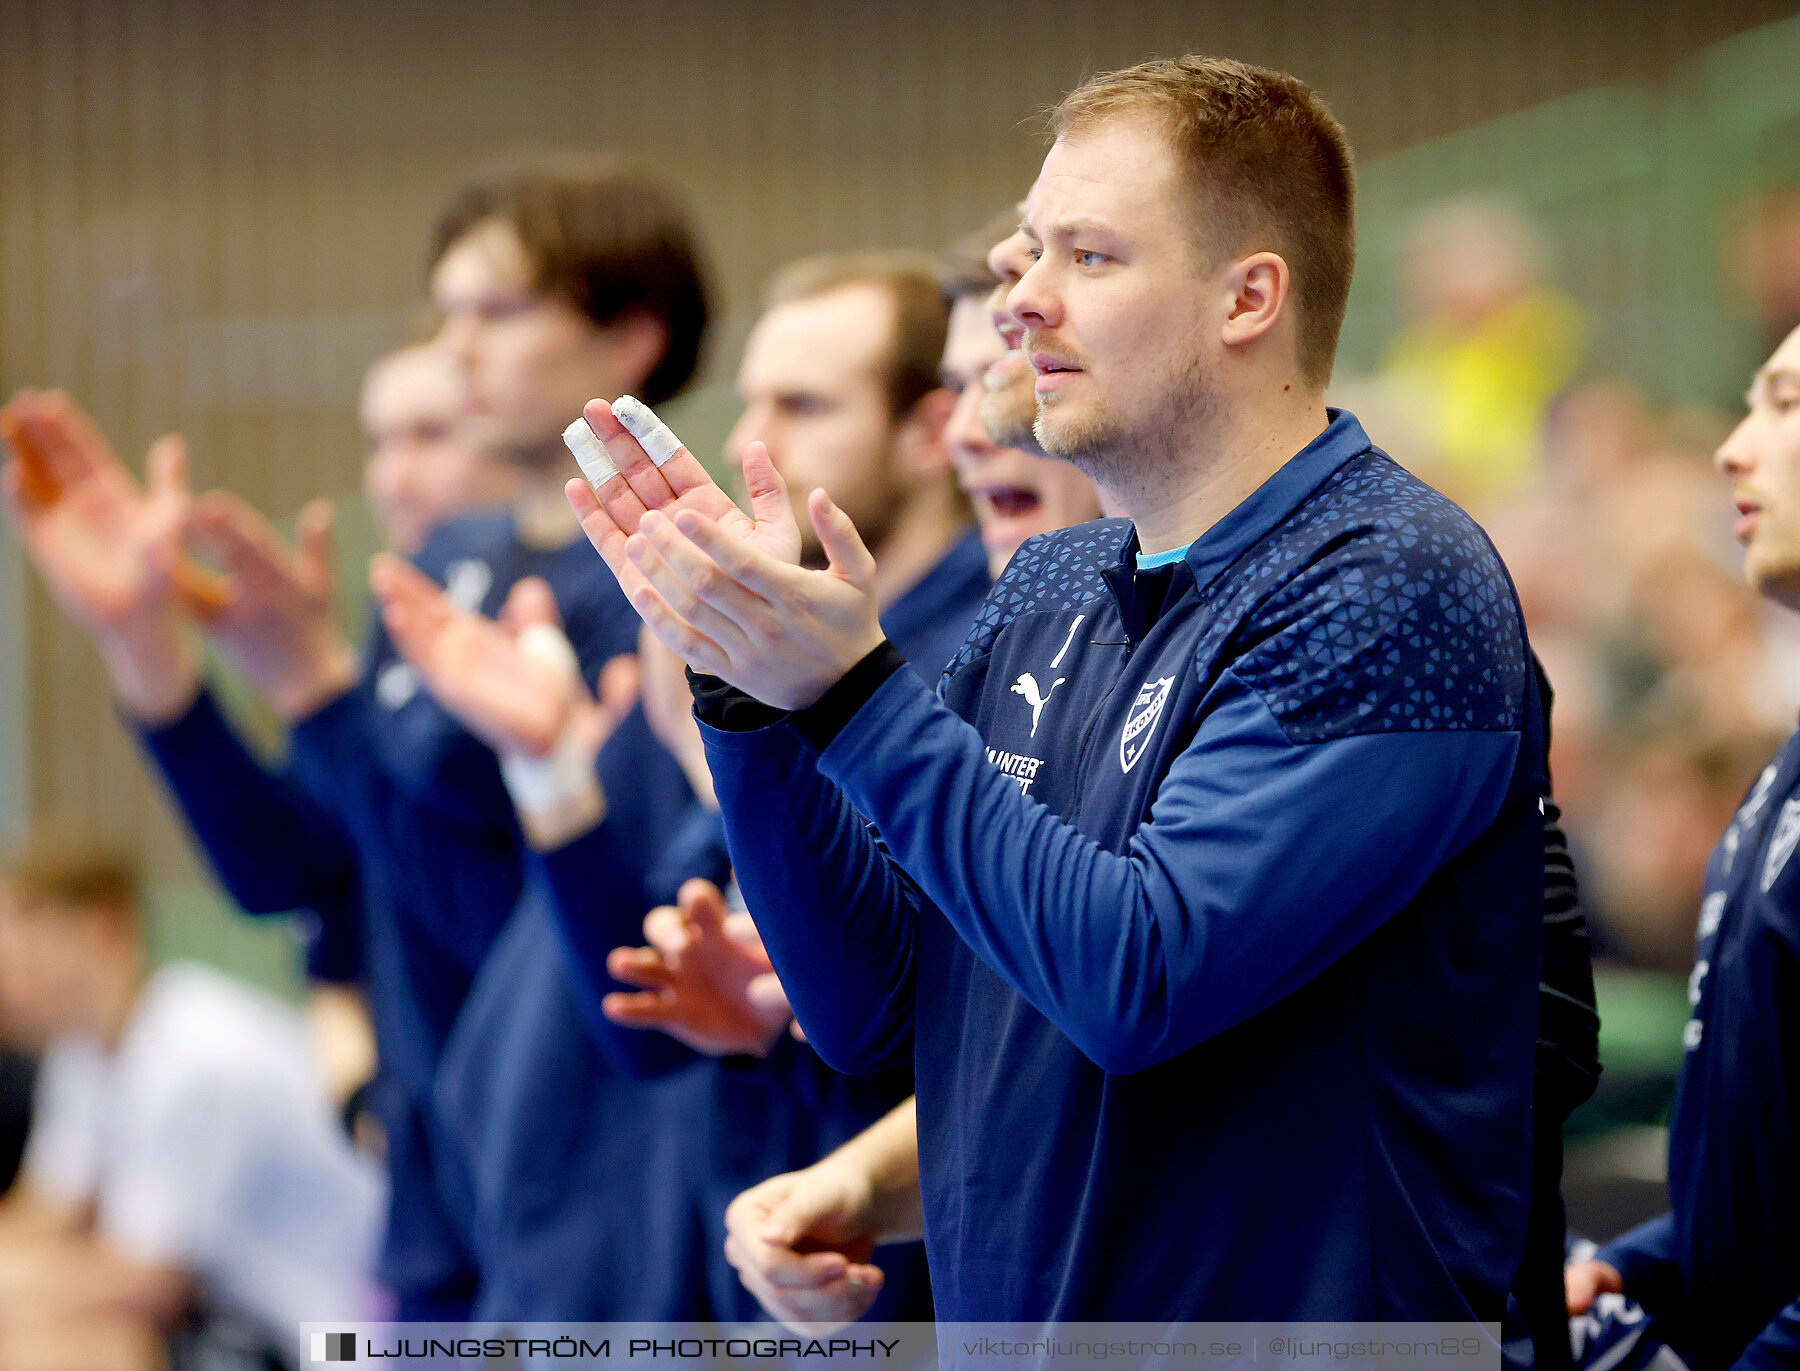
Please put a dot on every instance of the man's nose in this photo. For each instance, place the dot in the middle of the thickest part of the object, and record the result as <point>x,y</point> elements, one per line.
<point>1032,302</point>
<point>456,336</point>
<point>1735,455</point>
<point>964,432</point>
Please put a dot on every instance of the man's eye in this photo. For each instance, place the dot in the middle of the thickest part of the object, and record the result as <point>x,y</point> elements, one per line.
<point>1084,258</point>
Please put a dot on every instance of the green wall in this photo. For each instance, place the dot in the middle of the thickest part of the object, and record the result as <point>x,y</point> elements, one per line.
<point>1636,188</point>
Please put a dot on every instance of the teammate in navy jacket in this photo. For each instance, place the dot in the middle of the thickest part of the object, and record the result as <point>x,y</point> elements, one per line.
<point>796,1239</point>
<point>1721,1270</point>
<point>840,381</point>
<point>549,281</point>
<point>276,846</point>
<point>1208,896</point>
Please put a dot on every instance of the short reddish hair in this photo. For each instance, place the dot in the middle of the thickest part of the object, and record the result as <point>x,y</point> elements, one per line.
<point>1269,167</point>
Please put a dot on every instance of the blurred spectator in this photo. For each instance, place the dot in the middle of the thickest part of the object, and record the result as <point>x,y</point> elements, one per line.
<point>1648,840</point>
<point>1488,347</point>
<point>1672,682</point>
<point>183,1164</point>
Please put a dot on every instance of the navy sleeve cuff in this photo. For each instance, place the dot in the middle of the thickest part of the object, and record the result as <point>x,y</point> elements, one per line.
<point>730,710</point>
<point>726,708</point>
<point>825,718</point>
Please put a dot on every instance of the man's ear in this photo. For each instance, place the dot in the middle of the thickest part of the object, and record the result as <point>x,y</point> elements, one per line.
<point>635,344</point>
<point>924,456</point>
<point>1258,287</point>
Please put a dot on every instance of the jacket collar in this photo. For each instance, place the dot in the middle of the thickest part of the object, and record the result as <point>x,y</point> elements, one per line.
<point>1141,595</point>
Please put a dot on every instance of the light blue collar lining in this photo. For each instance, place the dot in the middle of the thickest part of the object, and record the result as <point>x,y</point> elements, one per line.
<point>1149,561</point>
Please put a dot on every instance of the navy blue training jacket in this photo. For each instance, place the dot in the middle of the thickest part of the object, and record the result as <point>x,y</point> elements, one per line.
<point>1721,1269</point>
<point>746,1119</point>
<point>573,1127</point>
<point>764,1118</point>
<point>392,817</point>
<point>1208,902</point>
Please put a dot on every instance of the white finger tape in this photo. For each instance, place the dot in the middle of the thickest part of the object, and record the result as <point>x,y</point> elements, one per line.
<point>590,453</point>
<point>560,785</point>
<point>560,778</point>
<point>641,423</point>
<point>548,644</point>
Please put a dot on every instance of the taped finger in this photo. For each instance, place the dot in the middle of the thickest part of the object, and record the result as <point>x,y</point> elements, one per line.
<point>654,436</point>
<point>590,453</point>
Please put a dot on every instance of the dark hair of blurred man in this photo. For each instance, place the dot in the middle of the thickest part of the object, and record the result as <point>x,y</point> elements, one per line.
<point>594,237</point>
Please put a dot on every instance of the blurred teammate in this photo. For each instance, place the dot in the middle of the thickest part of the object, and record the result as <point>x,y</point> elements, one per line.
<point>1201,822</point>
<point>840,386</point>
<point>1720,1272</point>
<point>183,1153</point>
<point>104,547</point>
<point>1015,490</point>
<point>552,281</point>
<point>423,467</point>
<point>840,381</point>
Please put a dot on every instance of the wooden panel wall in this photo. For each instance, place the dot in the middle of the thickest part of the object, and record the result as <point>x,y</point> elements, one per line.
<point>212,211</point>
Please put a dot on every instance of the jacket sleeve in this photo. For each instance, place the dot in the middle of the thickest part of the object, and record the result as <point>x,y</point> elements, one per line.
<point>598,884</point>
<point>597,904</point>
<point>837,916</point>
<point>273,846</point>
<point>332,755</point>
<point>1777,1347</point>
<point>1262,862</point>
<point>1645,1258</point>
<point>1568,1045</point>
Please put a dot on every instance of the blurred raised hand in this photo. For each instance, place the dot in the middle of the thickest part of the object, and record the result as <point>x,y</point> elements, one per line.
<point>278,628</point>
<point>704,979</point>
<point>513,699</point>
<point>107,547</point>
<point>514,683</point>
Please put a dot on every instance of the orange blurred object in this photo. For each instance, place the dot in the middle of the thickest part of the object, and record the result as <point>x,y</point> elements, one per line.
<point>39,485</point>
<point>204,592</point>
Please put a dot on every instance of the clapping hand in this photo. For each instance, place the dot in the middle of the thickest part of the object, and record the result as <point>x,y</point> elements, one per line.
<point>723,590</point>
